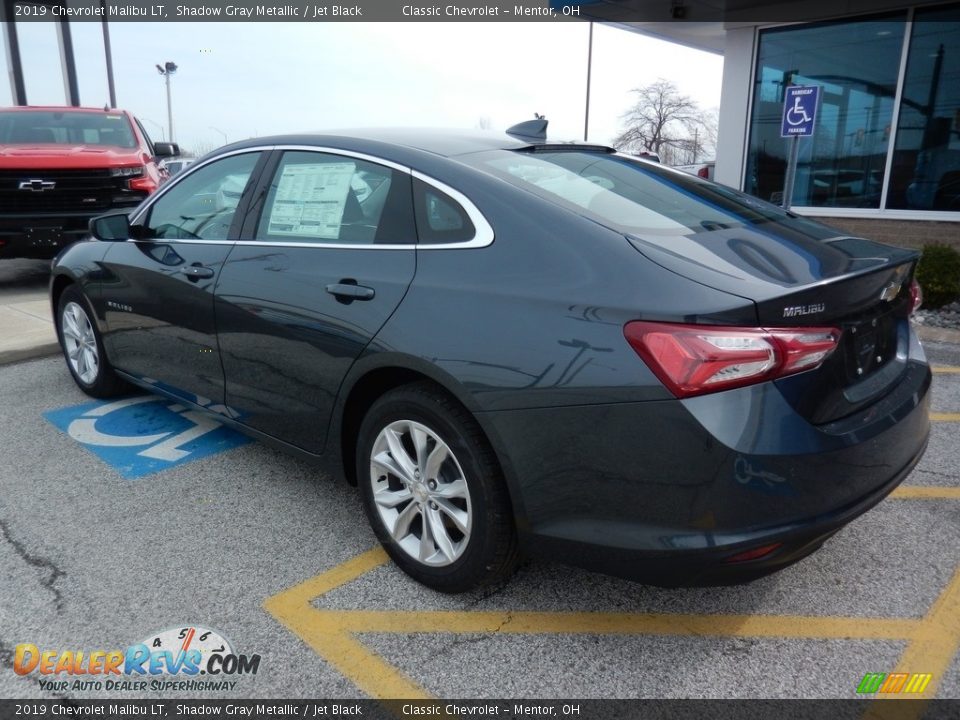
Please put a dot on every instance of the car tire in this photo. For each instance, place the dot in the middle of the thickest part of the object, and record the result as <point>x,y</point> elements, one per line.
<point>82,347</point>
<point>452,489</point>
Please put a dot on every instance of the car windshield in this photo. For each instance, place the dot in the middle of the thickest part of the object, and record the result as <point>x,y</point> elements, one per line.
<point>627,195</point>
<point>65,127</point>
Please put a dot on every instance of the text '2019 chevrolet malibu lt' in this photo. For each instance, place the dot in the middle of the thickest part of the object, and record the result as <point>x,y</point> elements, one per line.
<point>516,347</point>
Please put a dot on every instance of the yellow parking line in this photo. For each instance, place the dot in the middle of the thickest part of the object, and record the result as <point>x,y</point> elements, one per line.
<point>930,651</point>
<point>329,580</point>
<point>938,638</point>
<point>321,631</point>
<point>601,623</point>
<point>945,370</point>
<point>332,633</point>
<point>364,668</point>
<point>944,417</point>
<point>926,492</point>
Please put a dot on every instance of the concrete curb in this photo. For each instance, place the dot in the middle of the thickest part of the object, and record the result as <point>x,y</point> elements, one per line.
<point>8,357</point>
<point>937,334</point>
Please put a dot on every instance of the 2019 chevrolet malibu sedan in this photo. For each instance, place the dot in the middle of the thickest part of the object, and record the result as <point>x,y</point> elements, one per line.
<point>517,347</point>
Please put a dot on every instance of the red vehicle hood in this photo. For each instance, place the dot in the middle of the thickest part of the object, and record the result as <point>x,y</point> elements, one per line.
<point>51,156</point>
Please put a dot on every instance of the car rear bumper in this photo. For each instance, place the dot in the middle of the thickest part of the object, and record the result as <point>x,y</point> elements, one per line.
<point>712,565</point>
<point>666,492</point>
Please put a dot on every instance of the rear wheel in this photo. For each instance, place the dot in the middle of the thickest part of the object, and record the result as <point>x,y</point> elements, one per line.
<point>83,347</point>
<point>433,491</point>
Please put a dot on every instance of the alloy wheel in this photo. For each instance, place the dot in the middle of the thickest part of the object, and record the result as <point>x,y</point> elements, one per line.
<point>421,493</point>
<point>80,343</point>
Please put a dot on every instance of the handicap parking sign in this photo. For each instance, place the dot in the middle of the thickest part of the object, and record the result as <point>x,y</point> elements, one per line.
<point>799,110</point>
<point>142,435</point>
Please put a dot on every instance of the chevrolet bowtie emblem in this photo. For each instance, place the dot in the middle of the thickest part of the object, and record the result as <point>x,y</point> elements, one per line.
<point>38,185</point>
<point>890,291</point>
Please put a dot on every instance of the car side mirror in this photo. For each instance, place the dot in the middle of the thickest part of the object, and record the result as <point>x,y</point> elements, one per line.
<point>165,149</point>
<point>113,226</point>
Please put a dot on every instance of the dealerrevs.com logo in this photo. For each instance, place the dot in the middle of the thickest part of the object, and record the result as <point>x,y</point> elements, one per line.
<point>173,659</point>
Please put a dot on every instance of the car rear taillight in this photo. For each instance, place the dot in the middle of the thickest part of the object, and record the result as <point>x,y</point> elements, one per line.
<point>704,172</point>
<point>916,296</point>
<point>698,359</point>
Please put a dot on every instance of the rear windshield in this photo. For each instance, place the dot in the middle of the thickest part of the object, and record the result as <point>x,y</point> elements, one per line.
<point>627,195</point>
<point>74,128</point>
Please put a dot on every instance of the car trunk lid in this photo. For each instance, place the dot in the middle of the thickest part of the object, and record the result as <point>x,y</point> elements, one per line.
<point>797,279</point>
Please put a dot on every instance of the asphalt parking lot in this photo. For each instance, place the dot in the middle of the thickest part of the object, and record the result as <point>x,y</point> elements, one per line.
<point>104,545</point>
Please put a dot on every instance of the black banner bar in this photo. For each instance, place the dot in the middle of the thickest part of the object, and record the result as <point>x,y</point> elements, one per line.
<point>120,709</point>
<point>618,11</point>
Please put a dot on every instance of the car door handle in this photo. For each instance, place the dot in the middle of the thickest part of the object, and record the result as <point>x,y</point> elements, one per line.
<point>197,272</point>
<point>346,291</point>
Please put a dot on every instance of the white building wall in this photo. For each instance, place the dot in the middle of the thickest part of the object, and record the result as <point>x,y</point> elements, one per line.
<point>735,105</point>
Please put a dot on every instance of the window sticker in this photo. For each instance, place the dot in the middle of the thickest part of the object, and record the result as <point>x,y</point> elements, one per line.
<point>310,200</point>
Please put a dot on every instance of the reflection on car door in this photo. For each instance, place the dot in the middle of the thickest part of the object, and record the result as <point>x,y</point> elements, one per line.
<point>157,292</point>
<point>327,255</point>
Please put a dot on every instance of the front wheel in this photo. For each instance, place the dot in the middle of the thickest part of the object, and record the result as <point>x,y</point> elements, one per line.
<point>433,491</point>
<point>83,347</point>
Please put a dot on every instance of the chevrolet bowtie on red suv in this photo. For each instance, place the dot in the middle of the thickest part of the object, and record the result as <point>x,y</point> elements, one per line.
<point>60,166</point>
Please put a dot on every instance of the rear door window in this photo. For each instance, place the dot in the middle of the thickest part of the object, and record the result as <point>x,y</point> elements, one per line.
<point>328,199</point>
<point>440,218</point>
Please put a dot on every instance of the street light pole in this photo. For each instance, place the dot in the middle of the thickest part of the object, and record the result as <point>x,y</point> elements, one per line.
<point>169,108</point>
<point>108,54</point>
<point>168,69</point>
<point>219,131</point>
<point>586,114</point>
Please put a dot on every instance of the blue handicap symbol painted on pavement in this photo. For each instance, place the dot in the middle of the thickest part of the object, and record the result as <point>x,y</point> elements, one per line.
<point>143,435</point>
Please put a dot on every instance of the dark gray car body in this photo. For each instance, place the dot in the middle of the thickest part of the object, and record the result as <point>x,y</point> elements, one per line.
<point>605,467</point>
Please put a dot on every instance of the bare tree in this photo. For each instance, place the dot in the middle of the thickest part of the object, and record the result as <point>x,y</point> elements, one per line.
<point>662,121</point>
<point>702,144</point>
<point>484,123</point>
<point>710,131</point>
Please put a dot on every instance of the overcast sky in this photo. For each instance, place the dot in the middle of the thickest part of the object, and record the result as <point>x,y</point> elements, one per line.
<point>249,79</point>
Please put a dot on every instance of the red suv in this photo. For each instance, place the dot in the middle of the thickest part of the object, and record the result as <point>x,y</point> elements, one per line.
<point>60,166</point>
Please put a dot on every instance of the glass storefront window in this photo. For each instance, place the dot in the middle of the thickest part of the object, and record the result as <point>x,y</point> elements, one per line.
<point>856,63</point>
<point>926,161</point>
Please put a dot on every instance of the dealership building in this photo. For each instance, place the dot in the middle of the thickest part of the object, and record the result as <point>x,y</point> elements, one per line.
<point>884,160</point>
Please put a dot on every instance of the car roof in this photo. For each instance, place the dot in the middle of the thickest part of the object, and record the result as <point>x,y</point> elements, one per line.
<point>440,141</point>
<point>437,141</point>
